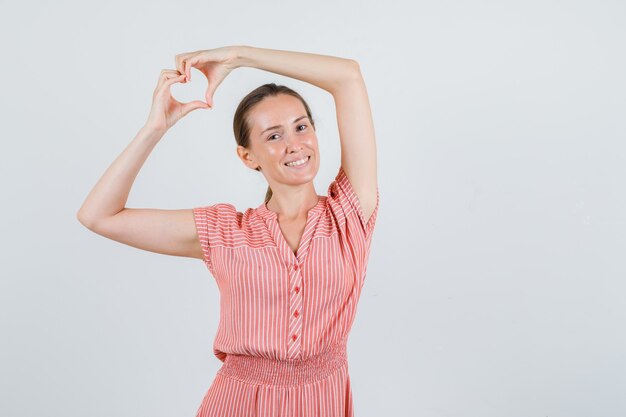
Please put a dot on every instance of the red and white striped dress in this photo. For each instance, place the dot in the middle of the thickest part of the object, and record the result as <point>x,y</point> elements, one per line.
<point>285,317</point>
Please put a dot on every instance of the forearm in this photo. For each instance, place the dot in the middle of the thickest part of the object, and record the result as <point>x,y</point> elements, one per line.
<point>324,71</point>
<point>110,194</point>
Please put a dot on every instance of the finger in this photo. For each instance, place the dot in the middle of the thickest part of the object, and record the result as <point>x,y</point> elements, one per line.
<point>188,107</point>
<point>209,96</point>
<point>167,74</point>
<point>189,63</point>
<point>184,62</point>
<point>180,62</point>
<point>173,80</point>
<point>167,81</point>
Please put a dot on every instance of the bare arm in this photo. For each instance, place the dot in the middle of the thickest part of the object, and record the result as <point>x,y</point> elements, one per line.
<point>108,197</point>
<point>358,141</point>
<point>323,71</point>
<point>169,232</point>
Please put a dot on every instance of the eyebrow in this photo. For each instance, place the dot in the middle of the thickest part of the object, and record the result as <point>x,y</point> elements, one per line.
<point>277,126</point>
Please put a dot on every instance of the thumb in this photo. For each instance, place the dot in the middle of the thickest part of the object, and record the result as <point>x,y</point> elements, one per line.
<point>209,96</point>
<point>189,107</point>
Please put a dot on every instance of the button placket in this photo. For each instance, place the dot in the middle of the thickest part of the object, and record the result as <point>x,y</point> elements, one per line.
<point>293,263</point>
<point>296,278</point>
<point>295,309</point>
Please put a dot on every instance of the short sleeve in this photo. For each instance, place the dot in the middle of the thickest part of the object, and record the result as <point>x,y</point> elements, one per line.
<point>341,193</point>
<point>215,226</point>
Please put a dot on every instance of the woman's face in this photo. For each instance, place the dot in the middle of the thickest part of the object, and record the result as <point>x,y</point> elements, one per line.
<point>281,132</point>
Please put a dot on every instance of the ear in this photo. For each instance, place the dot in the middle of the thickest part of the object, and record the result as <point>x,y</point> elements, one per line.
<point>246,157</point>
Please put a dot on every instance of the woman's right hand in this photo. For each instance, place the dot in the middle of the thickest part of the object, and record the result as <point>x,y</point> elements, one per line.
<point>166,110</point>
<point>215,64</point>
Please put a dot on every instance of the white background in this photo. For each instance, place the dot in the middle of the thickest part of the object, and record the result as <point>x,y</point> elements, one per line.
<point>497,276</point>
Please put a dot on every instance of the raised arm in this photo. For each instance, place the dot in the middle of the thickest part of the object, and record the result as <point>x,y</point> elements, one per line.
<point>170,232</point>
<point>342,78</point>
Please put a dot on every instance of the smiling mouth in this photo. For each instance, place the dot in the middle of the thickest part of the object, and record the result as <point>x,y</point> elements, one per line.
<point>300,163</point>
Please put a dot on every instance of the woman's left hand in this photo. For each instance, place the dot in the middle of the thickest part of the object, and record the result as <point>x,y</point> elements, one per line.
<point>215,64</point>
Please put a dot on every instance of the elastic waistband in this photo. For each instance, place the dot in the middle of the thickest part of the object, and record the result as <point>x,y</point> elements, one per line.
<point>264,371</point>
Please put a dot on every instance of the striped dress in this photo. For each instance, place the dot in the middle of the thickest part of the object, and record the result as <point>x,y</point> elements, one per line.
<point>284,316</point>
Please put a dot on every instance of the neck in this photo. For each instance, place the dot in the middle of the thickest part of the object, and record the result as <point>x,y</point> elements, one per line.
<point>293,204</point>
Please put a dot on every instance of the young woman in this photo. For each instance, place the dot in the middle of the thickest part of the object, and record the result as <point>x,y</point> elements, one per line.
<point>289,271</point>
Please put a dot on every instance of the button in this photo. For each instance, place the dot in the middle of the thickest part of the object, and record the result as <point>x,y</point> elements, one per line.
<point>294,337</point>
<point>295,267</point>
<point>297,289</point>
<point>296,314</point>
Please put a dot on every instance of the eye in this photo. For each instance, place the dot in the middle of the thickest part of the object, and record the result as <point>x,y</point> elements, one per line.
<point>304,125</point>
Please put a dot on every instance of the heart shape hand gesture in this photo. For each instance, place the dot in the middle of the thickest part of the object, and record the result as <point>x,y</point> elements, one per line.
<point>215,64</point>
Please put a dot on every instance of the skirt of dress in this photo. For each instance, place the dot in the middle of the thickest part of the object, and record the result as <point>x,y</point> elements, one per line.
<point>251,386</point>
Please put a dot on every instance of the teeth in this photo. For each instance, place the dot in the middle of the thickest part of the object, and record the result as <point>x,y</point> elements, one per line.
<point>296,163</point>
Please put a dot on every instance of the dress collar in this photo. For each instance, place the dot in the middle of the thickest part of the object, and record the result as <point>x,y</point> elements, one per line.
<point>269,214</point>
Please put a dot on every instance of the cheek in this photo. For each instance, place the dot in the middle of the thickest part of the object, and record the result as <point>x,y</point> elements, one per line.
<point>312,142</point>
<point>272,151</point>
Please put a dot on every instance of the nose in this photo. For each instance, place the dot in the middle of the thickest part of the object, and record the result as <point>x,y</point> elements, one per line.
<point>294,144</point>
